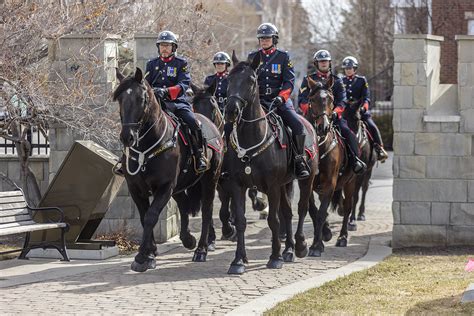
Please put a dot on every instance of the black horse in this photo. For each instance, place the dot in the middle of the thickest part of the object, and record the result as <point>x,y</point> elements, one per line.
<point>368,155</point>
<point>205,103</point>
<point>258,160</point>
<point>158,163</point>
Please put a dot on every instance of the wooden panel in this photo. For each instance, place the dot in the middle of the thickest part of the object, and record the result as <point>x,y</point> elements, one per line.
<point>17,224</point>
<point>28,228</point>
<point>14,211</point>
<point>11,193</point>
<point>16,218</point>
<point>12,206</point>
<point>11,199</point>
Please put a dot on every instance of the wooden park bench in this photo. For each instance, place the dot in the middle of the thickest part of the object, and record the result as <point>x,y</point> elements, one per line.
<point>16,217</point>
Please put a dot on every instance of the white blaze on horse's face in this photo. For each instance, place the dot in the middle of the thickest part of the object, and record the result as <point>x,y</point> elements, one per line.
<point>129,90</point>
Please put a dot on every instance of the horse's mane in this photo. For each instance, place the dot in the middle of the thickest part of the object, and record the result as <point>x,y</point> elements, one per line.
<point>200,94</point>
<point>124,85</point>
<point>239,67</point>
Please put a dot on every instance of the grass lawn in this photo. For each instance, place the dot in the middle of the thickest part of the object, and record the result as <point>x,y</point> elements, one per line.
<point>415,281</point>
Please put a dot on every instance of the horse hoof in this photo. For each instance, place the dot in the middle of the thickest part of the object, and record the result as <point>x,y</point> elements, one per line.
<point>151,263</point>
<point>236,269</point>
<point>282,237</point>
<point>275,264</point>
<point>327,235</point>
<point>211,246</point>
<point>314,252</point>
<point>288,256</point>
<point>232,236</point>
<point>301,249</point>
<point>361,218</point>
<point>189,242</point>
<point>352,227</point>
<point>341,242</point>
<point>139,267</point>
<point>199,256</point>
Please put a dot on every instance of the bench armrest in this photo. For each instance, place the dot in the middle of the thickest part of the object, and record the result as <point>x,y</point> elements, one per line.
<point>45,209</point>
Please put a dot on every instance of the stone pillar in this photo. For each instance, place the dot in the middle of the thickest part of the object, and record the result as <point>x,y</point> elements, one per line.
<point>432,164</point>
<point>145,49</point>
<point>65,60</point>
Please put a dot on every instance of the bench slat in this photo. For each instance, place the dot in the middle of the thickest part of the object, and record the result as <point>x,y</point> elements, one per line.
<point>24,223</point>
<point>11,206</point>
<point>11,199</point>
<point>13,212</point>
<point>16,218</point>
<point>29,228</point>
<point>11,193</point>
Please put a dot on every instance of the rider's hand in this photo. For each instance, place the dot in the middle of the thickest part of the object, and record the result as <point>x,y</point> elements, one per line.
<point>278,101</point>
<point>161,93</point>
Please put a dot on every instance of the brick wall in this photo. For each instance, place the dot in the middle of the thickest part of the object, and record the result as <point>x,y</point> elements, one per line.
<point>448,20</point>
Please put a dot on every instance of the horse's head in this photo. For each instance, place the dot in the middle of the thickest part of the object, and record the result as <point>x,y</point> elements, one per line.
<point>204,101</point>
<point>320,105</point>
<point>242,88</point>
<point>133,95</point>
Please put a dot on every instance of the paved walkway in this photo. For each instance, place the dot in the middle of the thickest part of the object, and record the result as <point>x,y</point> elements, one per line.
<point>179,286</point>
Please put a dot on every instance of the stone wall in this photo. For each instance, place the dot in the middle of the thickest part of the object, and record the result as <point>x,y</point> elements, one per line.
<point>433,191</point>
<point>10,167</point>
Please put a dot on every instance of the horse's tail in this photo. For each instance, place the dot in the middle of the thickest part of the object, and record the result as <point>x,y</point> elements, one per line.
<point>336,201</point>
<point>194,199</point>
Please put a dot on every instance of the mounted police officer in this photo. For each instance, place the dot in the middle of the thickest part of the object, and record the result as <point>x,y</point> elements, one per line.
<point>357,90</point>
<point>169,77</point>
<point>322,62</point>
<point>276,82</point>
<point>221,62</point>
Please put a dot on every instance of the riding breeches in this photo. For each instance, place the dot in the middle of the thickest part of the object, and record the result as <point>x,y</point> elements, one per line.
<point>349,135</point>
<point>373,129</point>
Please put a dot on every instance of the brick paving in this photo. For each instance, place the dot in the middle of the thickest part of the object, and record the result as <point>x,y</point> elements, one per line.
<point>179,286</point>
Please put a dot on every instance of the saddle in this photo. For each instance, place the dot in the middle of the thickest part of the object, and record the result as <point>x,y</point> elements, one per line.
<point>279,128</point>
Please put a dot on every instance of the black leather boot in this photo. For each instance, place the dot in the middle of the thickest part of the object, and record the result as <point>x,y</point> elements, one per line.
<point>301,168</point>
<point>200,160</point>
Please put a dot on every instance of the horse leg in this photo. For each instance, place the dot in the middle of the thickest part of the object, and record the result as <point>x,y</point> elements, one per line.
<point>365,188</point>
<point>306,197</point>
<point>207,195</point>
<point>352,226</point>
<point>238,208</point>
<point>188,240</point>
<point>143,261</point>
<point>319,222</point>
<point>211,240</point>
<point>143,203</point>
<point>349,189</point>
<point>228,230</point>
<point>287,214</point>
<point>276,260</point>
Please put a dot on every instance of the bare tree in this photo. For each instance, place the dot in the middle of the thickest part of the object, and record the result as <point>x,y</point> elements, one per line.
<point>35,93</point>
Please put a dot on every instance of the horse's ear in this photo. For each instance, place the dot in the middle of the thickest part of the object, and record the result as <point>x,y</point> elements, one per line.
<point>235,60</point>
<point>311,83</point>
<point>194,88</point>
<point>138,75</point>
<point>212,87</point>
<point>119,75</point>
<point>255,62</point>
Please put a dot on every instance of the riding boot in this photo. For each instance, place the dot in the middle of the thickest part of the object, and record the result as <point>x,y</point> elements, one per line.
<point>358,166</point>
<point>118,168</point>
<point>378,143</point>
<point>301,168</point>
<point>197,140</point>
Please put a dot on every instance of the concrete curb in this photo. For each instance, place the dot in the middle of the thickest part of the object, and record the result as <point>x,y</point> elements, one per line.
<point>377,252</point>
<point>18,272</point>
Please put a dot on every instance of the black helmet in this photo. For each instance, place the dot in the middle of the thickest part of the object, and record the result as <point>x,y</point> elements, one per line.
<point>167,37</point>
<point>322,55</point>
<point>268,30</point>
<point>221,57</point>
<point>350,62</point>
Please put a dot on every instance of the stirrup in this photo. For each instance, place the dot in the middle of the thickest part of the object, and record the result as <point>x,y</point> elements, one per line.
<point>381,154</point>
<point>200,163</point>
<point>303,172</point>
<point>359,167</point>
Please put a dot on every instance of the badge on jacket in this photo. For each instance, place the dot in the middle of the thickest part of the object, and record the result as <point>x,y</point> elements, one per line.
<point>172,71</point>
<point>276,69</point>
